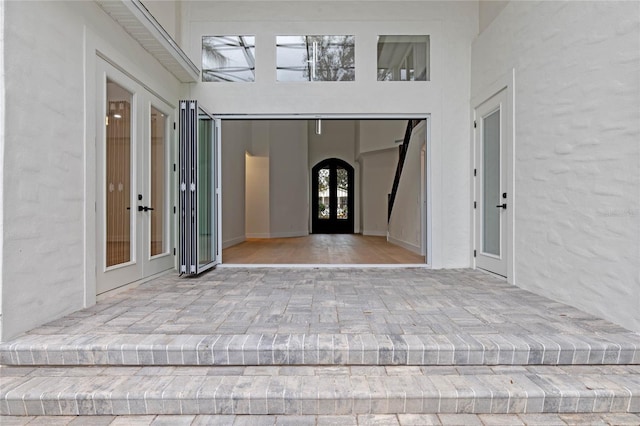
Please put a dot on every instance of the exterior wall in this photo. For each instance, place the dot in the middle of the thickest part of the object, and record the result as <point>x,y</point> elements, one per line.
<point>167,13</point>
<point>236,141</point>
<point>48,261</point>
<point>452,27</point>
<point>577,156</point>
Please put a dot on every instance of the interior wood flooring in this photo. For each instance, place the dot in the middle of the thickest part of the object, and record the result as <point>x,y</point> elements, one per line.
<point>320,249</point>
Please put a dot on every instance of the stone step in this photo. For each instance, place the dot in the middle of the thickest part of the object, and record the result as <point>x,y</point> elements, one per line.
<point>322,349</point>
<point>332,390</point>
<point>562,419</point>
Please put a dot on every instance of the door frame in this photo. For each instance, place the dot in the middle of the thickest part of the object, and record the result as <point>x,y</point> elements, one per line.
<point>432,171</point>
<point>505,83</point>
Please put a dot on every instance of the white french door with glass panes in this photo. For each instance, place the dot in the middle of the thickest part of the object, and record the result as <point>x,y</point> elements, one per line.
<point>492,200</point>
<point>133,154</point>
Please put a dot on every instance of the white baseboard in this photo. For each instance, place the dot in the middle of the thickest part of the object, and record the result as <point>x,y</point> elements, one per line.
<point>411,247</point>
<point>279,234</point>
<point>233,242</point>
<point>375,233</point>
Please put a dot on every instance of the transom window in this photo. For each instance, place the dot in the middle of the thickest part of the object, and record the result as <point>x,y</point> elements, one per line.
<point>228,58</point>
<point>403,58</point>
<point>315,58</point>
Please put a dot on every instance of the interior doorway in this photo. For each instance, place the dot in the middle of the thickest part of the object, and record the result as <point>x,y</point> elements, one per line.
<point>271,188</point>
<point>332,197</point>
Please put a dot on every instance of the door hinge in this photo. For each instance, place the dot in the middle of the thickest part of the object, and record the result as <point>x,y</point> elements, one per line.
<point>474,253</point>
<point>474,124</point>
<point>475,172</point>
<point>174,209</point>
<point>475,204</point>
<point>174,167</point>
<point>174,125</point>
<point>174,251</point>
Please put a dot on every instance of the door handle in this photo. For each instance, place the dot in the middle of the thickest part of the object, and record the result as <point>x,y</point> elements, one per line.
<point>504,206</point>
<point>144,208</point>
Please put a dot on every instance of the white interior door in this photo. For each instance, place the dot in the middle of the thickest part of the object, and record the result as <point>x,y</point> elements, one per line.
<point>492,200</point>
<point>132,198</point>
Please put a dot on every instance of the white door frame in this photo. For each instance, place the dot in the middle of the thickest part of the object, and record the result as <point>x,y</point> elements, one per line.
<point>426,227</point>
<point>506,83</point>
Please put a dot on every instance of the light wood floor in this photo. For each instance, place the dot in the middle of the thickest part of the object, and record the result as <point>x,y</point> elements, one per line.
<point>320,249</point>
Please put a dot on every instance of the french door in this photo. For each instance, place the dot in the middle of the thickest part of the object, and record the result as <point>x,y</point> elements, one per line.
<point>133,154</point>
<point>493,202</point>
<point>332,197</point>
<point>200,222</point>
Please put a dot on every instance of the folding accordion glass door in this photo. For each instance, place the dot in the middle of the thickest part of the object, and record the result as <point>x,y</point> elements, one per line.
<point>200,242</point>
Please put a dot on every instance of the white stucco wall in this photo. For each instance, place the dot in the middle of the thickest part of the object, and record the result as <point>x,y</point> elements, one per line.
<point>48,261</point>
<point>577,149</point>
<point>451,25</point>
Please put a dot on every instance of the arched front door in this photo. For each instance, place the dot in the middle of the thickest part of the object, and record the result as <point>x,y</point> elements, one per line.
<point>332,194</point>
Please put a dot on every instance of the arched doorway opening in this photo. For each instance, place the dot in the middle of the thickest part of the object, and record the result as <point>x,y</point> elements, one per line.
<point>332,197</point>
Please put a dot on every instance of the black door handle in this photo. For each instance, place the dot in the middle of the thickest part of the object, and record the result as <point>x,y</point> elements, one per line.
<point>144,208</point>
<point>504,206</point>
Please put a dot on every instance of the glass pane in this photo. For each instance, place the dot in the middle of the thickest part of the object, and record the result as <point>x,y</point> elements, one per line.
<point>343,193</point>
<point>228,58</point>
<point>315,58</point>
<point>158,181</point>
<point>206,225</point>
<point>403,58</point>
<point>323,194</point>
<point>491,183</point>
<point>119,206</point>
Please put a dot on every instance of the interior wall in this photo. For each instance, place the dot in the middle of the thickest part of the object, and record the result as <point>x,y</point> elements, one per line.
<point>488,10</point>
<point>577,157</point>
<point>277,194</point>
<point>236,141</point>
<point>289,177</point>
<point>378,170</point>
<point>381,134</point>
<point>49,171</point>
<point>451,25</point>
<point>257,201</point>
<point>405,225</point>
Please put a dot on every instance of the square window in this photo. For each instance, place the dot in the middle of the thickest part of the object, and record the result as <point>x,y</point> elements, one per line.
<point>403,58</point>
<point>228,58</point>
<point>315,58</point>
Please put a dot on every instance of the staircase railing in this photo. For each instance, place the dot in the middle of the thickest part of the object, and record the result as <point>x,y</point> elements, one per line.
<point>403,149</point>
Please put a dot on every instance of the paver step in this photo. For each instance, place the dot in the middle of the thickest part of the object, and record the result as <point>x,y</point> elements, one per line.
<point>322,349</point>
<point>318,390</point>
<point>562,419</point>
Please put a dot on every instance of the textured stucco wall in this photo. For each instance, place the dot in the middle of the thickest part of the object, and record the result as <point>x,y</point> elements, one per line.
<point>49,175</point>
<point>577,148</point>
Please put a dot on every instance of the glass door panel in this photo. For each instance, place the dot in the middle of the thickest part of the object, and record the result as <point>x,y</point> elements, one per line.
<point>342,189</point>
<point>491,184</point>
<point>324,199</point>
<point>158,179</point>
<point>206,190</point>
<point>119,206</point>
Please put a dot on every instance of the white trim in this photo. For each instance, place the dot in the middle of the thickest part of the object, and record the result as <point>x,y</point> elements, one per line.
<point>279,234</point>
<point>322,116</point>
<point>409,246</point>
<point>233,241</point>
<point>374,233</point>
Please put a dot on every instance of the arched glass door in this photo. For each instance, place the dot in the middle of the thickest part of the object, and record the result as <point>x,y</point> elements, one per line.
<point>332,197</point>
